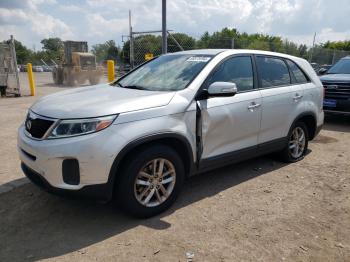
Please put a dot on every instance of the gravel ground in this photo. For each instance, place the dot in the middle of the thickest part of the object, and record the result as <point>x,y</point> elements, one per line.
<point>259,210</point>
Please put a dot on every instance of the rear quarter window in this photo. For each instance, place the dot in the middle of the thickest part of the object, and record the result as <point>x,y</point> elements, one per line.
<point>297,73</point>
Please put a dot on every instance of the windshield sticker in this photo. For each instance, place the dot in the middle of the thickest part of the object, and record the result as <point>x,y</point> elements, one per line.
<point>198,59</point>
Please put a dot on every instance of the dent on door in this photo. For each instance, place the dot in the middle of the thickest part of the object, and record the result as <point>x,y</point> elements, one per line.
<point>228,125</point>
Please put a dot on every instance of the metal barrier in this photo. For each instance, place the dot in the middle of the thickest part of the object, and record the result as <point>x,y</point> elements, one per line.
<point>110,70</point>
<point>31,79</point>
<point>8,68</point>
<point>323,56</point>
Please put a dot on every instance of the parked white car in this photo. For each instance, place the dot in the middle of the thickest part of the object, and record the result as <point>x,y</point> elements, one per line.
<point>177,115</point>
<point>38,69</point>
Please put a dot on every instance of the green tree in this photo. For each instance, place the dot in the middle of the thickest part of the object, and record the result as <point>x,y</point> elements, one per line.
<point>259,45</point>
<point>339,45</point>
<point>219,39</point>
<point>290,48</point>
<point>105,51</point>
<point>52,44</point>
<point>303,51</point>
<point>143,44</point>
<point>112,50</point>
<point>185,41</point>
<point>23,54</point>
<point>52,49</point>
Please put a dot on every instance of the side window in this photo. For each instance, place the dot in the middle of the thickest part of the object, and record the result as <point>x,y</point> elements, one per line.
<point>300,77</point>
<point>238,70</point>
<point>273,71</point>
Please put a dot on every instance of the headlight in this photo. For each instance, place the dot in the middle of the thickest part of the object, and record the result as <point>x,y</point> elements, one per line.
<point>76,127</point>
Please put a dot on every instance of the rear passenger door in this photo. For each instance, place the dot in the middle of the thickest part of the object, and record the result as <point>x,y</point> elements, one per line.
<point>281,97</point>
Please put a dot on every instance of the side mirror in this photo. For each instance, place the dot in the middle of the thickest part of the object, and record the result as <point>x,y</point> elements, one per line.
<point>322,71</point>
<point>223,89</point>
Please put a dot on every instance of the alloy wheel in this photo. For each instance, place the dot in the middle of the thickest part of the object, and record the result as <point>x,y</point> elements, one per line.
<point>155,182</point>
<point>297,142</point>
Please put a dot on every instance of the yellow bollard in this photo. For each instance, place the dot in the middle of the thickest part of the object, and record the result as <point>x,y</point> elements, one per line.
<point>31,79</point>
<point>110,70</point>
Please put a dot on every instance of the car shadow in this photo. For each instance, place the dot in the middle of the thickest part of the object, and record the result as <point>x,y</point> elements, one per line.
<point>36,225</point>
<point>337,122</point>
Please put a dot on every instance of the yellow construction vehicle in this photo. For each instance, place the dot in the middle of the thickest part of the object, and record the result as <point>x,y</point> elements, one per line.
<point>77,66</point>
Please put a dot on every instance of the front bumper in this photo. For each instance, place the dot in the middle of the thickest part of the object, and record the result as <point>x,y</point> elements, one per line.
<point>43,160</point>
<point>342,107</point>
<point>101,192</point>
<point>328,111</point>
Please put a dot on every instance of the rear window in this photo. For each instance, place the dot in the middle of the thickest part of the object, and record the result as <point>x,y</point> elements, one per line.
<point>341,67</point>
<point>273,72</point>
<point>299,75</point>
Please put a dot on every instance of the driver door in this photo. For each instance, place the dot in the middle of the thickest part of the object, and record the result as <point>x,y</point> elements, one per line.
<point>231,124</point>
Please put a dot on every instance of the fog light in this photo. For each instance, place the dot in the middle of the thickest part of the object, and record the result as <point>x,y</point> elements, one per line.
<point>70,171</point>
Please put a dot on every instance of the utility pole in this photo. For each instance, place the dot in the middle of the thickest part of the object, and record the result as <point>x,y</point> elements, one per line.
<point>232,43</point>
<point>312,50</point>
<point>164,30</point>
<point>131,40</point>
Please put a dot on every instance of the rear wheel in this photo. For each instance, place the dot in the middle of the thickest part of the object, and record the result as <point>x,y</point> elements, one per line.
<point>298,139</point>
<point>150,181</point>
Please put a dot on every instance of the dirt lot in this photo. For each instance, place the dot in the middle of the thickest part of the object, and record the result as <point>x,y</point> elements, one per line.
<point>259,210</point>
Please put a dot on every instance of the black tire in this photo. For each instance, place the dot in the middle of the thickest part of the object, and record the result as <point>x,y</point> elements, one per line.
<point>55,76</point>
<point>81,81</point>
<point>286,155</point>
<point>94,80</point>
<point>60,76</point>
<point>124,189</point>
<point>68,78</point>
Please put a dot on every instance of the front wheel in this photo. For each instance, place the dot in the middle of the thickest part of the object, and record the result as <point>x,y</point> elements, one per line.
<point>150,181</point>
<point>68,78</point>
<point>94,80</point>
<point>298,139</point>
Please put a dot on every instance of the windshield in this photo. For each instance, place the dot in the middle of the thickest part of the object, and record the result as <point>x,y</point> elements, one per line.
<point>342,67</point>
<point>165,73</point>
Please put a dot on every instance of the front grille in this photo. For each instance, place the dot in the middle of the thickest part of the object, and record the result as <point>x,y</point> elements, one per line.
<point>340,91</point>
<point>36,126</point>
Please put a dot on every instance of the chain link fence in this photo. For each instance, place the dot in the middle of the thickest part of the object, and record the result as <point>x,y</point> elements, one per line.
<point>323,56</point>
<point>146,46</point>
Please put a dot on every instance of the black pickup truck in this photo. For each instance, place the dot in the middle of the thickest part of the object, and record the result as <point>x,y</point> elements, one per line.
<point>336,82</point>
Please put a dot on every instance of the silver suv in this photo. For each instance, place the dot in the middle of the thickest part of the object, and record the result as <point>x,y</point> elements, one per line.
<point>138,138</point>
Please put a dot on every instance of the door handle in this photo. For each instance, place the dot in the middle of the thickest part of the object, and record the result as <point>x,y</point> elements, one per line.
<point>297,97</point>
<point>253,105</point>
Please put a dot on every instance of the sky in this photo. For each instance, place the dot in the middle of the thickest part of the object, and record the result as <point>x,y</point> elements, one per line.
<point>97,21</point>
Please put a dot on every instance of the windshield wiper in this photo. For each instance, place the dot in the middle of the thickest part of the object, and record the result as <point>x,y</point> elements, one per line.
<point>135,87</point>
<point>132,86</point>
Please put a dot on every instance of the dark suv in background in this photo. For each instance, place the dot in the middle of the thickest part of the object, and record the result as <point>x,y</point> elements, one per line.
<point>336,82</point>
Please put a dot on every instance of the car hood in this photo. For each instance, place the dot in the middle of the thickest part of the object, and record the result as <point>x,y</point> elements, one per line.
<point>336,78</point>
<point>99,100</point>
